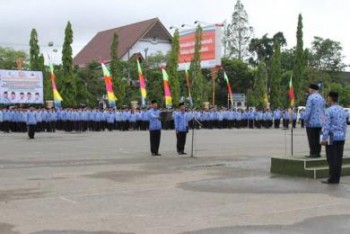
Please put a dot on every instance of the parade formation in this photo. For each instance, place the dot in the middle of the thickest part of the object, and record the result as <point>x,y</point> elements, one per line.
<point>87,119</point>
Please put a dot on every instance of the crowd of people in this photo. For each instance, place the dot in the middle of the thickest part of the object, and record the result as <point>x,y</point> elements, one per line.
<point>85,119</point>
<point>323,126</point>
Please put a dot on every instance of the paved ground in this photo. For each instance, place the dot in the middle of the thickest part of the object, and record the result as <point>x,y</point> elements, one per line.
<point>104,183</point>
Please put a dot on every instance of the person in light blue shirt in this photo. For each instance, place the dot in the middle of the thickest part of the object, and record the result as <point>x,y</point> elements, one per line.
<point>155,127</point>
<point>277,115</point>
<point>31,120</point>
<point>314,113</point>
<point>294,119</point>
<point>250,116</point>
<point>181,127</point>
<point>333,137</point>
<point>110,119</point>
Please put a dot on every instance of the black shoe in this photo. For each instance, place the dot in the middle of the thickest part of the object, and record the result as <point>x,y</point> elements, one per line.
<point>157,154</point>
<point>328,181</point>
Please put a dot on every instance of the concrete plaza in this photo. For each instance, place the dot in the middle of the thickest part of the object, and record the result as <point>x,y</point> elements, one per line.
<point>107,182</point>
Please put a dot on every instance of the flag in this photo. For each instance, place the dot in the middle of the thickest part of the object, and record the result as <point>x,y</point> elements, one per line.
<point>229,90</point>
<point>56,95</point>
<point>188,83</point>
<point>167,93</point>
<point>291,92</point>
<point>108,80</point>
<point>142,83</point>
<point>266,99</point>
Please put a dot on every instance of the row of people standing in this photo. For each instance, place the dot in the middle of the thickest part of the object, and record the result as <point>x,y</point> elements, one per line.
<point>80,120</point>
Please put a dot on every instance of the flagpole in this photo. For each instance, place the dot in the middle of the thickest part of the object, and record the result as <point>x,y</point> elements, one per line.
<point>291,132</point>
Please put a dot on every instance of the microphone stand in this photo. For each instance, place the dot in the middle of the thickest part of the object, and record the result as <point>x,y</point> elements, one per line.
<point>194,121</point>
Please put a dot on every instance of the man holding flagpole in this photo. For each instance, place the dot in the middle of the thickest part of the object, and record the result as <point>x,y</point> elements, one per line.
<point>314,113</point>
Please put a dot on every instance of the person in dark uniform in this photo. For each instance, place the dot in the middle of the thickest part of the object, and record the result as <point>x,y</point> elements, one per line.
<point>155,127</point>
<point>333,137</point>
<point>314,112</point>
<point>31,120</point>
<point>181,127</point>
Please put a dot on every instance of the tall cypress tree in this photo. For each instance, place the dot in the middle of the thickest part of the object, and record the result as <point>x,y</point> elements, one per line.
<point>118,84</point>
<point>34,49</point>
<point>260,86</point>
<point>68,81</point>
<point>35,62</point>
<point>198,84</point>
<point>275,77</point>
<point>300,62</point>
<point>172,67</point>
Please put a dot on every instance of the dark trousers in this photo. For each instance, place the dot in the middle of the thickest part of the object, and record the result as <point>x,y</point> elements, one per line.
<point>302,123</point>
<point>154,140</point>
<point>31,131</point>
<point>277,123</point>
<point>335,159</point>
<point>181,141</point>
<point>251,123</point>
<point>313,136</point>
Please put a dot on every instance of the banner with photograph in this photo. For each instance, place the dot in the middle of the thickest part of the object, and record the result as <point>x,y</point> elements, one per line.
<point>21,87</point>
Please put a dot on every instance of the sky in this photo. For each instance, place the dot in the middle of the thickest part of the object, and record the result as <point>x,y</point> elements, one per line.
<point>324,18</point>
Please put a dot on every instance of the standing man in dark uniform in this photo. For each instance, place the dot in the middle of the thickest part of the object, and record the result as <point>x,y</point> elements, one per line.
<point>313,114</point>
<point>31,120</point>
<point>333,137</point>
<point>181,127</point>
<point>155,127</point>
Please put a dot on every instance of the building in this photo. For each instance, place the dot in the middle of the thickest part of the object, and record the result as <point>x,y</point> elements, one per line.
<point>144,38</point>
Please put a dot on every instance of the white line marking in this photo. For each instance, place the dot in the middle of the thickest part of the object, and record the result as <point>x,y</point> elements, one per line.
<point>68,200</point>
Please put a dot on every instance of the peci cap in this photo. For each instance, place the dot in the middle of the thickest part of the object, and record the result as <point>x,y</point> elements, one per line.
<point>333,95</point>
<point>314,86</point>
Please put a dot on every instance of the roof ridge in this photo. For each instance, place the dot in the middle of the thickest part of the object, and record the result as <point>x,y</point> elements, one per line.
<point>129,25</point>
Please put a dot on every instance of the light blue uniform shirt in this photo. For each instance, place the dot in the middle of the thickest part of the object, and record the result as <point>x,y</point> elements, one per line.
<point>335,123</point>
<point>154,122</point>
<point>181,121</point>
<point>31,118</point>
<point>314,110</point>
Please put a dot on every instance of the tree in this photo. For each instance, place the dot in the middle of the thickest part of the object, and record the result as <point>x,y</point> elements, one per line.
<point>8,57</point>
<point>275,77</point>
<point>238,33</point>
<point>300,62</point>
<point>36,60</point>
<point>240,76</point>
<point>260,86</point>
<point>326,55</point>
<point>68,81</point>
<point>90,84</point>
<point>287,59</point>
<point>199,91</point>
<point>172,67</point>
<point>118,84</point>
<point>263,48</point>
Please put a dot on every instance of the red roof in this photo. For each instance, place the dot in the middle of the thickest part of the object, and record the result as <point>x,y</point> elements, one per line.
<point>100,45</point>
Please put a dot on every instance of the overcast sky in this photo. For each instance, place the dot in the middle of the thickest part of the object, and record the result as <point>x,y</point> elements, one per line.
<point>324,18</point>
